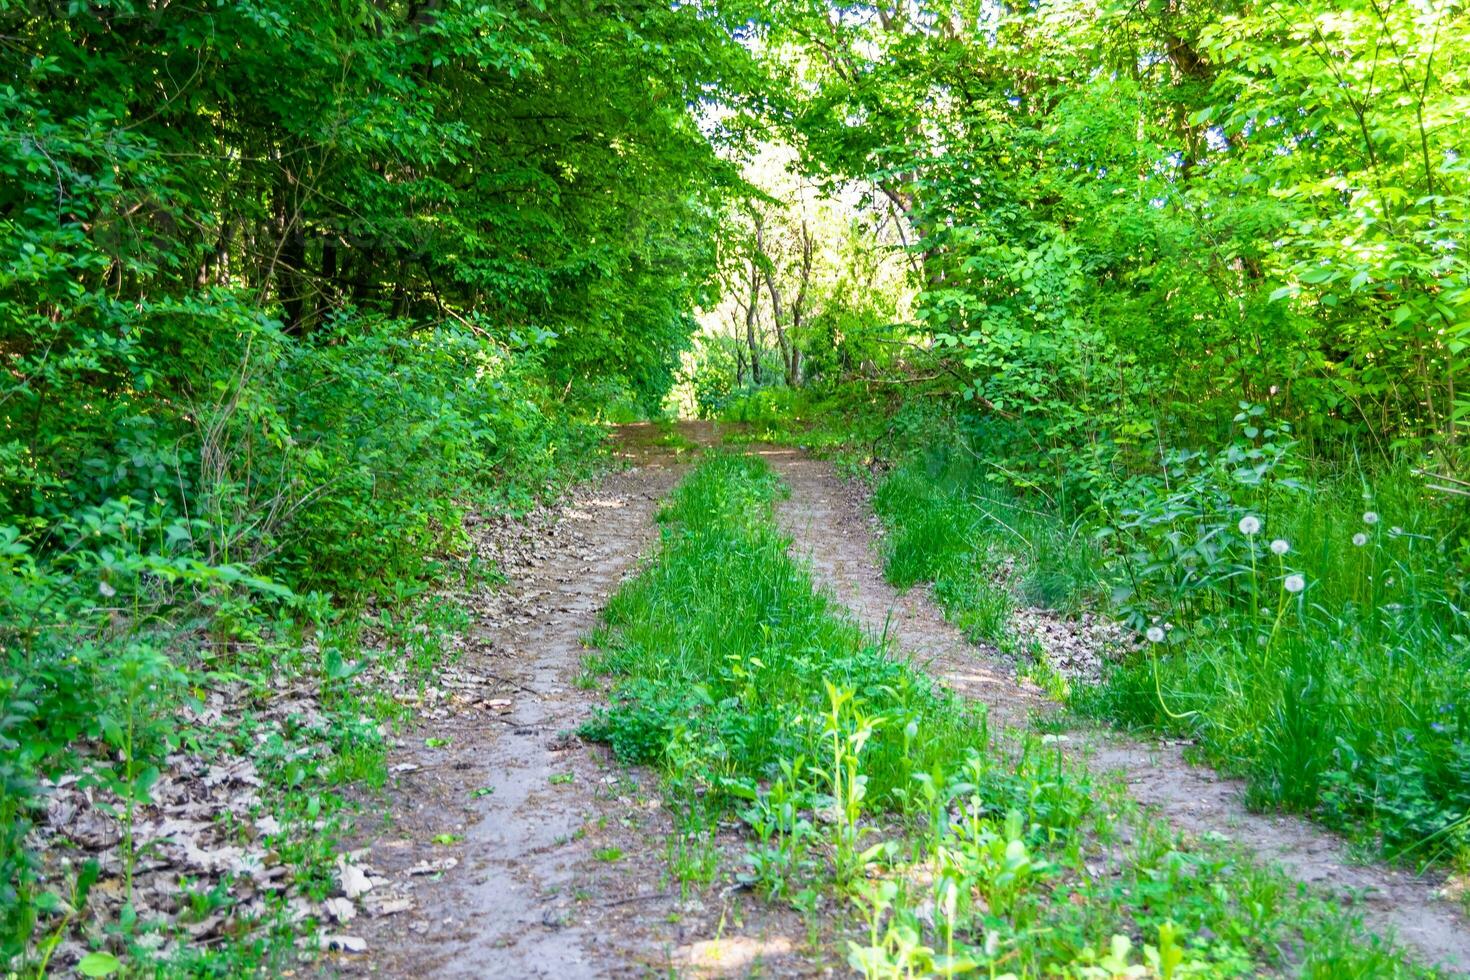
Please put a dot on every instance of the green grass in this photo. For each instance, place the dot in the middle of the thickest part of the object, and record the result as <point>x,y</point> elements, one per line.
<point>848,420</point>
<point>866,790</point>
<point>1351,701</point>
<point>981,546</point>
<point>1350,705</point>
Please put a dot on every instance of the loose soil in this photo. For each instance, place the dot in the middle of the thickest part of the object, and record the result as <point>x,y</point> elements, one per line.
<point>554,877</point>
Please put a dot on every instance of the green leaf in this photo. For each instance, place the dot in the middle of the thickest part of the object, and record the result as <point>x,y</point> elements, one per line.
<point>99,964</point>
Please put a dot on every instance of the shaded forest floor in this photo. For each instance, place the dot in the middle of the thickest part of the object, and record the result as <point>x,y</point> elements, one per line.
<point>509,846</point>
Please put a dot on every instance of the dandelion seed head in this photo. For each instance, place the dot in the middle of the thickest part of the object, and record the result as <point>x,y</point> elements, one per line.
<point>1250,524</point>
<point>1294,584</point>
<point>1155,634</point>
<point>1395,532</point>
<point>107,590</point>
<point>1280,546</point>
<point>1370,517</point>
<point>1360,539</point>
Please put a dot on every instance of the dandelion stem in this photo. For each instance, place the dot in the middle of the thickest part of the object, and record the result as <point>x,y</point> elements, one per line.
<point>1158,688</point>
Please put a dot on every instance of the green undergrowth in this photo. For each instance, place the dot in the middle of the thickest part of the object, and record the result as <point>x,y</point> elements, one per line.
<point>984,548</point>
<point>879,805</point>
<point>843,420</point>
<point>1345,700</point>
<point>238,587</point>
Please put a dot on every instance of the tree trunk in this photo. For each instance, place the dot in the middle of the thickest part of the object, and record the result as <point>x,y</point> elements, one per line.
<point>750,315</point>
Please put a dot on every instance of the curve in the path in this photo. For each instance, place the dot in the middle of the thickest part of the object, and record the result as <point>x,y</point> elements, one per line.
<point>833,530</point>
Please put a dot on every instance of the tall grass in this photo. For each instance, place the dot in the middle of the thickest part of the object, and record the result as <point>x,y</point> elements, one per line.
<point>879,806</point>
<point>1346,700</point>
<point>1354,705</point>
<point>982,547</point>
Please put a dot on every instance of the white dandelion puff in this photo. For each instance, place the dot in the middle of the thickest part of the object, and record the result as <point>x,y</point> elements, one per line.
<point>1280,546</point>
<point>1155,634</point>
<point>1396,532</point>
<point>1294,584</point>
<point>1250,524</point>
<point>1370,517</point>
<point>1360,539</point>
<point>106,589</point>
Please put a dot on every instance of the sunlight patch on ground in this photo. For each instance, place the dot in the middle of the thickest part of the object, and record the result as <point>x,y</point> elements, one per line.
<point>729,955</point>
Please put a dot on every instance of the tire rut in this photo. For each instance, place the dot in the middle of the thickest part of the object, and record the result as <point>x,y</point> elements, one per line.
<point>555,877</point>
<point>835,533</point>
<point>529,895</point>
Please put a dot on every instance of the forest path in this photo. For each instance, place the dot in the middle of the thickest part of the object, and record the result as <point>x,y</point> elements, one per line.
<point>562,870</point>
<point>523,886</point>
<point>526,896</point>
<point>833,527</point>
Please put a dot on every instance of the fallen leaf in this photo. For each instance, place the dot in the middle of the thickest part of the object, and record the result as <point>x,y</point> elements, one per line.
<point>390,906</point>
<point>353,879</point>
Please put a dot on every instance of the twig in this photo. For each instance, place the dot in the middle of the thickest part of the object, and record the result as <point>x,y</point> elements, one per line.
<point>1442,476</point>
<point>636,898</point>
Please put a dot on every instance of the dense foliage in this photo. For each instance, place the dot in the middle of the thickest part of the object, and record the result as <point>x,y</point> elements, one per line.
<point>1133,216</point>
<point>1179,263</point>
<point>284,289</point>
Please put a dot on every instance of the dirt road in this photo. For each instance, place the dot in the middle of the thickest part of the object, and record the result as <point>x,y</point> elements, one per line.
<point>510,848</point>
<point>833,528</point>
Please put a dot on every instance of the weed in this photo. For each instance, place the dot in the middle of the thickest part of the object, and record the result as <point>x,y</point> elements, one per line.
<point>866,789</point>
<point>1318,654</point>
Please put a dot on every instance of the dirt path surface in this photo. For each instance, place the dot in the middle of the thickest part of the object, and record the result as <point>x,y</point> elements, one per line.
<point>515,890</point>
<point>533,872</point>
<point>510,847</point>
<point>833,528</point>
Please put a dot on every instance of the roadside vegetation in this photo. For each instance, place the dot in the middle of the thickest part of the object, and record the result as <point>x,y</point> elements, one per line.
<point>1182,343</point>
<point>285,294</point>
<point>883,809</point>
<point>1307,629</point>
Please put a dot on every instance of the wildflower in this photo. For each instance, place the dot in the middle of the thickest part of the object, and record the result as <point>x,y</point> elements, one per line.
<point>1155,634</point>
<point>1250,524</point>
<point>1395,532</point>
<point>1294,584</point>
<point>1370,517</point>
<point>1360,539</point>
<point>107,590</point>
<point>1280,547</point>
